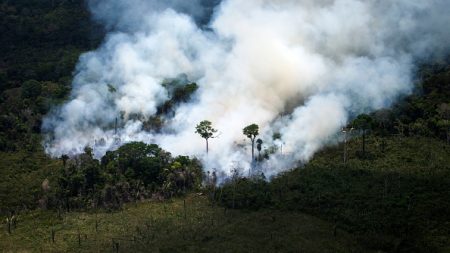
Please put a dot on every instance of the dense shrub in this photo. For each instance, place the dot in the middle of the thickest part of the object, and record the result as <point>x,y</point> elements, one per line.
<point>133,172</point>
<point>250,193</point>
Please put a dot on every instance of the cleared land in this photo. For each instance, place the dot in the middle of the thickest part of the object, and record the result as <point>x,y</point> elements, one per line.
<point>181,225</point>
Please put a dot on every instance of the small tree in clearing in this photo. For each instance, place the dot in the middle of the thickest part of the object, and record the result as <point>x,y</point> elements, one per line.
<point>206,131</point>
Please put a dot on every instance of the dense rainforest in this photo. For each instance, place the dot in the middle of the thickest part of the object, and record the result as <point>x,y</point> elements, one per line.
<point>390,192</point>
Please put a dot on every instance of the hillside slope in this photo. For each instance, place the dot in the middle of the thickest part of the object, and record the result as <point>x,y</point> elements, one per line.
<point>396,199</point>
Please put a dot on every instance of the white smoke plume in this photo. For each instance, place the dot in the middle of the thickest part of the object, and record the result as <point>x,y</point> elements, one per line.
<point>316,62</point>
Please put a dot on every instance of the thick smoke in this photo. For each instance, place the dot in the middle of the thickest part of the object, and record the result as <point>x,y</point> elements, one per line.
<point>303,68</point>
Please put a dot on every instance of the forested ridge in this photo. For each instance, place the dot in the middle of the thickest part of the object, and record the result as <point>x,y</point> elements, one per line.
<point>41,42</point>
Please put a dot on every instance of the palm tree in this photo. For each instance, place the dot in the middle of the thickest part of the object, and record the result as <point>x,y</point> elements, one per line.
<point>251,131</point>
<point>258,147</point>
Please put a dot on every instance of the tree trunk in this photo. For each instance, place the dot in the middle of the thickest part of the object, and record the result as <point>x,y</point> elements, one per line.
<point>207,147</point>
<point>448,135</point>
<point>8,221</point>
<point>364,143</point>
<point>253,150</point>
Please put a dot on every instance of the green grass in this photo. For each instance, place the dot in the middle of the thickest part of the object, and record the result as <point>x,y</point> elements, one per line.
<point>21,176</point>
<point>396,200</point>
<point>163,227</point>
<point>406,155</point>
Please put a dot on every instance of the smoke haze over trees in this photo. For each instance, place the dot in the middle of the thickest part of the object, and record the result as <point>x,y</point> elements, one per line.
<point>319,63</point>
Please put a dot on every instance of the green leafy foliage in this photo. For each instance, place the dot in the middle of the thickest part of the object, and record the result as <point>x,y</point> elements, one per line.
<point>251,131</point>
<point>41,42</point>
<point>31,89</point>
<point>253,193</point>
<point>21,176</point>
<point>180,91</point>
<point>419,114</point>
<point>135,171</point>
<point>206,131</point>
<point>364,123</point>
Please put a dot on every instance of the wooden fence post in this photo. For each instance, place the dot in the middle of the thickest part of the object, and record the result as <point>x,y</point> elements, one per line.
<point>8,224</point>
<point>53,235</point>
<point>184,206</point>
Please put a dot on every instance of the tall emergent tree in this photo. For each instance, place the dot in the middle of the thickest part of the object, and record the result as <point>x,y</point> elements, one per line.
<point>364,123</point>
<point>206,131</point>
<point>251,131</point>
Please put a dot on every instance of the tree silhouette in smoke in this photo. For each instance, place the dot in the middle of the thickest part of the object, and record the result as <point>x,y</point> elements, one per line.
<point>251,131</point>
<point>259,147</point>
<point>206,131</point>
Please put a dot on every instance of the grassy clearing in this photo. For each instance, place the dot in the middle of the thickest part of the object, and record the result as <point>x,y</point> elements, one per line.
<point>419,156</point>
<point>170,227</point>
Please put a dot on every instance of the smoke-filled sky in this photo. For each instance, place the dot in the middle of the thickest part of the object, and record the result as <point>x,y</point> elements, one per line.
<point>316,62</point>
